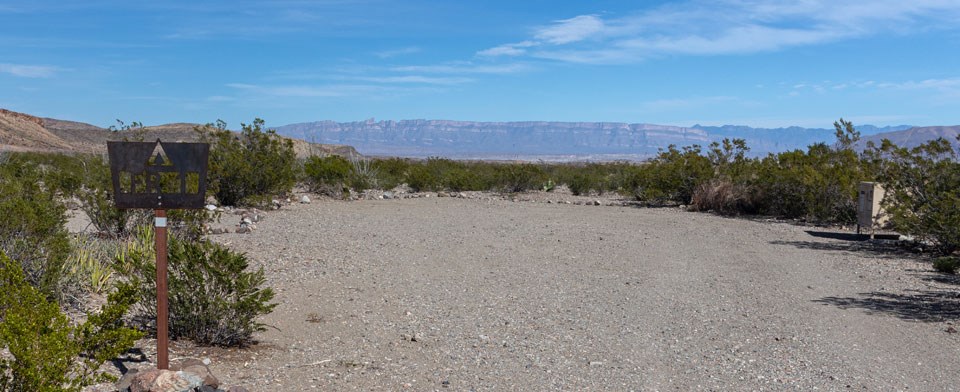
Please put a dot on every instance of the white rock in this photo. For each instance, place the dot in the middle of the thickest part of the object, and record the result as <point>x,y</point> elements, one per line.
<point>305,199</point>
<point>210,207</point>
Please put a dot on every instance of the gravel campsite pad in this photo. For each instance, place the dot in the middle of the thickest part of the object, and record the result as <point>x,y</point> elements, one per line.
<point>496,295</point>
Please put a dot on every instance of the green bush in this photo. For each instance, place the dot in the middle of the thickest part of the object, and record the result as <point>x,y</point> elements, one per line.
<point>921,191</point>
<point>947,265</point>
<point>31,230</point>
<point>249,168</point>
<point>520,177</point>
<point>48,354</point>
<point>673,176</point>
<point>327,175</point>
<point>391,172</point>
<point>213,299</point>
<point>96,201</point>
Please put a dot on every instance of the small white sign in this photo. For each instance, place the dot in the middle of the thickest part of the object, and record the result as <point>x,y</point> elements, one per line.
<point>160,222</point>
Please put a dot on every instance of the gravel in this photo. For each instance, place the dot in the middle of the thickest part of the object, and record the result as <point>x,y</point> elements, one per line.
<point>493,294</point>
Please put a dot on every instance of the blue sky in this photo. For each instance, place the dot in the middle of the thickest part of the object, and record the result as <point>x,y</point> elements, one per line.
<point>743,62</point>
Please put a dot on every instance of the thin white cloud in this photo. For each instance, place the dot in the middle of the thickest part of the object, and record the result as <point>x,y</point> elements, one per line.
<point>570,30</point>
<point>398,52</point>
<point>29,71</point>
<point>465,68</point>
<point>702,27</point>
<point>508,49</point>
<point>417,79</point>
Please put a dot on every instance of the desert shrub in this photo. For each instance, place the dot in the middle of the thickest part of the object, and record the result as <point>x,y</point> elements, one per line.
<point>391,172</point>
<point>519,177</point>
<point>47,353</point>
<point>213,298</point>
<point>673,175</point>
<point>31,230</point>
<point>921,191</point>
<point>327,175</point>
<point>947,265</point>
<point>250,167</point>
<point>427,176</point>
<point>464,179</point>
<point>363,174</point>
<point>96,201</point>
<point>584,183</point>
<point>724,197</point>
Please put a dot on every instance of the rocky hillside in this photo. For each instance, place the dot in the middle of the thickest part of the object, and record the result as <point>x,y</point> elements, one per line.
<point>23,132</point>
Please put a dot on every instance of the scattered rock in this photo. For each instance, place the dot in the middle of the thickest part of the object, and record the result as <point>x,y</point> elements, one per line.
<point>388,195</point>
<point>210,207</point>
<point>442,194</point>
<point>197,367</point>
<point>304,199</point>
<point>159,380</point>
<point>275,204</point>
<point>951,330</point>
<point>597,202</point>
<point>244,230</point>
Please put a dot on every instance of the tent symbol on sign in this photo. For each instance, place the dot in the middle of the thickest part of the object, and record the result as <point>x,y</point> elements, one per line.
<point>159,157</point>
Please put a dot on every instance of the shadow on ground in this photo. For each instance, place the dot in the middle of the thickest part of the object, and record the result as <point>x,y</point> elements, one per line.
<point>884,246</point>
<point>915,305</point>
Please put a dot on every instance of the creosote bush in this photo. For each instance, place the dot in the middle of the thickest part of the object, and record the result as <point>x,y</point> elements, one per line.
<point>922,197</point>
<point>947,265</point>
<point>47,353</point>
<point>249,168</point>
<point>31,228</point>
<point>214,299</point>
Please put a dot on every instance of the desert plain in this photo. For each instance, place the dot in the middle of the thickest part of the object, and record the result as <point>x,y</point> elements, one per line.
<point>533,294</point>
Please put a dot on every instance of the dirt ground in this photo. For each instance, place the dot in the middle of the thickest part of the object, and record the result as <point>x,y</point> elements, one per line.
<point>496,295</point>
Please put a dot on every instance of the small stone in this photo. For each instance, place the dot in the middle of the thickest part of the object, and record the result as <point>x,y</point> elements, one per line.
<point>237,389</point>
<point>442,194</point>
<point>388,195</point>
<point>244,230</point>
<point>597,202</point>
<point>416,337</point>
<point>210,207</point>
<point>951,330</point>
<point>462,195</point>
<point>246,221</point>
<point>304,199</point>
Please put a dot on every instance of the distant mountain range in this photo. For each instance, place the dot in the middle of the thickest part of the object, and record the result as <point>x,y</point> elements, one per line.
<point>530,140</point>
<point>527,140</point>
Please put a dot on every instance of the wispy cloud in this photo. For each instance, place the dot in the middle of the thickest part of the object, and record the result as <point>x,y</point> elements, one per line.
<point>701,27</point>
<point>570,30</point>
<point>300,91</point>
<point>950,85</point>
<point>385,54</point>
<point>29,71</point>
<point>466,68</point>
<point>416,79</point>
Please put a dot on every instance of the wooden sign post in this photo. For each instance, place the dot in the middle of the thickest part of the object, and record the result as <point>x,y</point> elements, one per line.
<point>159,176</point>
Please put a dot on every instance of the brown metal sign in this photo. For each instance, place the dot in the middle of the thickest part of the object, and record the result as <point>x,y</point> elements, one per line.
<point>158,175</point>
